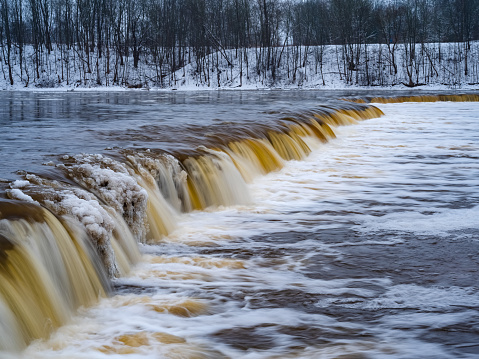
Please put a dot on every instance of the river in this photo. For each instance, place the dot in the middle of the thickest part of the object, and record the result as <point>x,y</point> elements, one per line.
<point>365,246</point>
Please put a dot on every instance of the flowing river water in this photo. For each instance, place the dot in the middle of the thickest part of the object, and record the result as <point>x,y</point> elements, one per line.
<point>238,225</point>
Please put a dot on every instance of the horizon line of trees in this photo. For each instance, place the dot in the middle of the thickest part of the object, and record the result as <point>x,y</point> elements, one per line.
<point>103,39</point>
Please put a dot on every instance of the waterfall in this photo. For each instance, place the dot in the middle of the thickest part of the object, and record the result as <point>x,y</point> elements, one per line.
<point>66,232</point>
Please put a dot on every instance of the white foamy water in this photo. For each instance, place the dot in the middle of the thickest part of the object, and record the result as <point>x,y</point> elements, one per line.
<point>367,248</point>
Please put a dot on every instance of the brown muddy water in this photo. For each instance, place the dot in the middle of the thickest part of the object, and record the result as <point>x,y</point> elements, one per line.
<point>238,225</point>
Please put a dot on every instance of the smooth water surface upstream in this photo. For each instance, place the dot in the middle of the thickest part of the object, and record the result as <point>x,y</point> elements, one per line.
<point>36,127</point>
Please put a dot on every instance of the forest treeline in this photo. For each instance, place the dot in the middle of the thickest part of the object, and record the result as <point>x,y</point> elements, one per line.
<point>138,42</point>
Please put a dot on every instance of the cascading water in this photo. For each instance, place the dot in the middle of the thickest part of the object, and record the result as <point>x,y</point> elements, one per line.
<point>82,222</point>
<point>420,98</point>
<point>48,269</point>
<point>69,232</point>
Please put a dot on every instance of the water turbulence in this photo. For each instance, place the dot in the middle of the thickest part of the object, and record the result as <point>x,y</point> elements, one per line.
<point>251,239</point>
<point>67,231</point>
<point>48,269</point>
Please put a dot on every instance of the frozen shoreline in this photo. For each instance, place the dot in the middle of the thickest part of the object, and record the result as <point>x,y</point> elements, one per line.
<point>402,88</point>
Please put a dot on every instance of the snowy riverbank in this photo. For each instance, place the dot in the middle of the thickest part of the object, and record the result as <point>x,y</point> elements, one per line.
<point>435,67</point>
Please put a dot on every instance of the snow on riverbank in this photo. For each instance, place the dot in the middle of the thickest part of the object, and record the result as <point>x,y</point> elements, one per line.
<point>436,67</point>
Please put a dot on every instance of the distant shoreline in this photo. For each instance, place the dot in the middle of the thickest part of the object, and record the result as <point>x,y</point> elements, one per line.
<point>397,88</point>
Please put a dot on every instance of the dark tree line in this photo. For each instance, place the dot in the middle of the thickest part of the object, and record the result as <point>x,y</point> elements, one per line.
<point>127,42</point>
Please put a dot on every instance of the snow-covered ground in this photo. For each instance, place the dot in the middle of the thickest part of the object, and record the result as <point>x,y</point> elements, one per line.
<point>435,66</point>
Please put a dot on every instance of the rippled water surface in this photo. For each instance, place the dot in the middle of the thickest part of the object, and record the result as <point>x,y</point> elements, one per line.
<point>36,127</point>
<point>367,249</point>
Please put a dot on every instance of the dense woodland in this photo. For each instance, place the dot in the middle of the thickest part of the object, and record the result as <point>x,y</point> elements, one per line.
<point>166,43</point>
